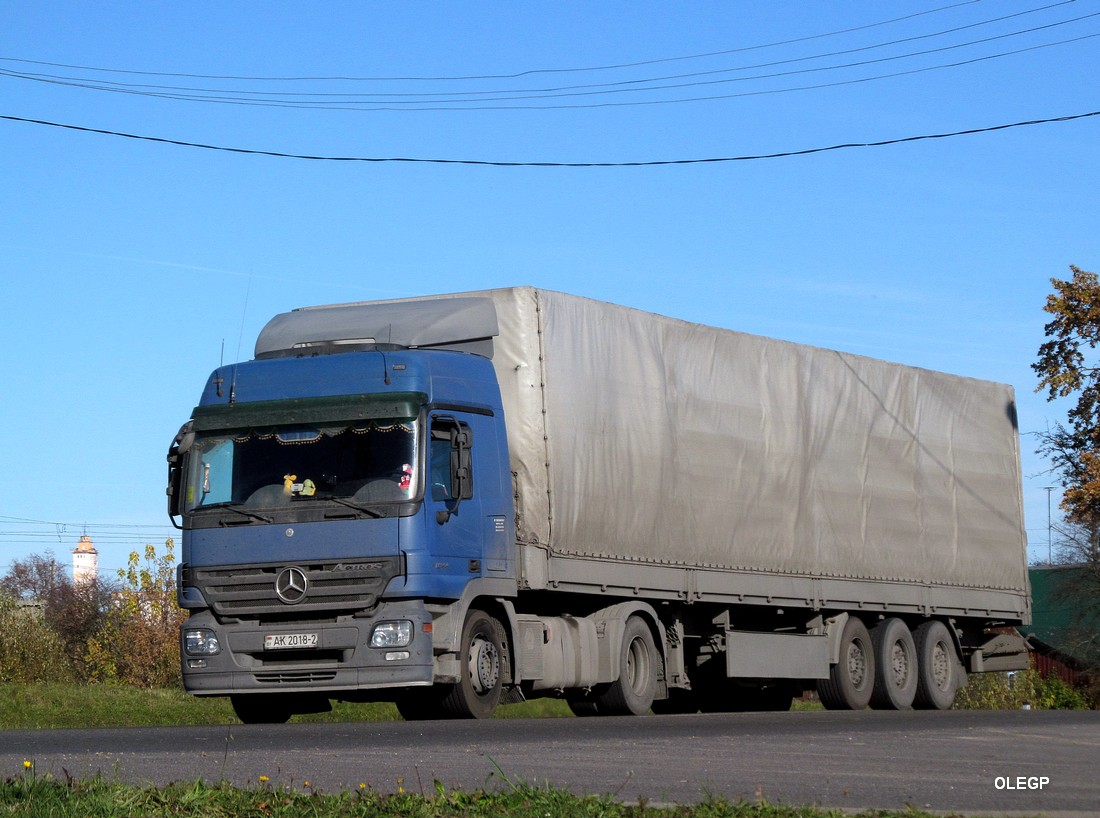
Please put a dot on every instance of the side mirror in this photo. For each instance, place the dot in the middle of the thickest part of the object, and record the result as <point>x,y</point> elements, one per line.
<point>182,443</point>
<point>461,483</point>
<point>461,471</point>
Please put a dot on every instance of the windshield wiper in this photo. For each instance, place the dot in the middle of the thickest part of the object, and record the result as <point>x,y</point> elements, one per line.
<point>231,507</point>
<point>355,507</point>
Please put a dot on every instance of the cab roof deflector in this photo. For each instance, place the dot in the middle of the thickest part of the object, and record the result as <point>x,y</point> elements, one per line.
<point>466,324</point>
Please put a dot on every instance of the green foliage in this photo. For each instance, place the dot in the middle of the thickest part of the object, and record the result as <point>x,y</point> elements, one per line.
<point>74,612</point>
<point>138,643</point>
<point>30,651</point>
<point>125,633</point>
<point>1011,691</point>
<point>25,795</point>
<point>59,706</point>
<point>1067,367</point>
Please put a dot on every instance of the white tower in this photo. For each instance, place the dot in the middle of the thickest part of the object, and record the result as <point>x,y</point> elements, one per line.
<point>85,561</point>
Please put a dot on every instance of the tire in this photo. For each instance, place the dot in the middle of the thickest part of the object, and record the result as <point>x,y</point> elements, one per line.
<point>896,660</point>
<point>481,666</point>
<point>852,679</point>
<point>938,677</point>
<point>261,708</point>
<point>633,692</point>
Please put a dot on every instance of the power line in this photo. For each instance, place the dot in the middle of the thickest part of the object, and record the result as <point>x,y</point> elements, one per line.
<point>524,72</point>
<point>482,162</point>
<point>7,519</point>
<point>490,99</point>
<point>468,105</point>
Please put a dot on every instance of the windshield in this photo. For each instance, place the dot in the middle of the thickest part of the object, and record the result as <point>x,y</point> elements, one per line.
<point>364,463</point>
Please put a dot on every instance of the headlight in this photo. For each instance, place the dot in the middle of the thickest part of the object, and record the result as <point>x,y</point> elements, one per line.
<point>391,634</point>
<point>200,643</point>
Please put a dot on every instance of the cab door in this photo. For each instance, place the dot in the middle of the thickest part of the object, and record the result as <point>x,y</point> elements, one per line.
<point>452,494</point>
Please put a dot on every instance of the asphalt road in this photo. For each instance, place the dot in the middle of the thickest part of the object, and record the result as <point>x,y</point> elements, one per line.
<point>1029,761</point>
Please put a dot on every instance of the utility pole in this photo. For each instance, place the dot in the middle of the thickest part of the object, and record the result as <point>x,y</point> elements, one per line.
<point>1050,558</point>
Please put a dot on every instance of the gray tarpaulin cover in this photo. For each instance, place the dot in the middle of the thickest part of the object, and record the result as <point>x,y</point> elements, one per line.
<point>676,442</point>
<point>642,437</point>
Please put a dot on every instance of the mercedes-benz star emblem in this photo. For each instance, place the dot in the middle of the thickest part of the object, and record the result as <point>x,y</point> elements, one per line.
<point>291,584</point>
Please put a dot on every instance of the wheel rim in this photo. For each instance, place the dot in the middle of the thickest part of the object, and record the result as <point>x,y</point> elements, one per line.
<point>484,665</point>
<point>900,664</point>
<point>941,666</point>
<point>857,663</point>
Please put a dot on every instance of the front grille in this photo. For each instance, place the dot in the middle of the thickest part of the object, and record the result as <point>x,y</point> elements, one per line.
<point>249,590</point>
<point>294,676</point>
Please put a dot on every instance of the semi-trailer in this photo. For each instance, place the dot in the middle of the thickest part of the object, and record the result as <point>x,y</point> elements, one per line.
<point>460,500</point>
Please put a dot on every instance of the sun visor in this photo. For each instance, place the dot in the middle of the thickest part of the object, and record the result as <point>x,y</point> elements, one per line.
<point>467,324</point>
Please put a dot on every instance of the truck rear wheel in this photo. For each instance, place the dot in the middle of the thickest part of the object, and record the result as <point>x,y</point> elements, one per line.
<point>481,669</point>
<point>633,692</point>
<point>937,667</point>
<point>896,659</point>
<point>852,679</point>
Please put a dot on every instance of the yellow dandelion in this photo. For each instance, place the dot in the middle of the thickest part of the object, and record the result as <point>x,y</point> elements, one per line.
<point>362,786</point>
<point>27,765</point>
<point>306,784</point>
<point>264,779</point>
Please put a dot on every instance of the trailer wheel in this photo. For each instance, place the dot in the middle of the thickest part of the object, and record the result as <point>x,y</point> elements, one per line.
<point>633,692</point>
<point>896,659</point>
<point>852,679</point>
<point>261,708</point>
<point>481,663</point>
<point>937,667</point>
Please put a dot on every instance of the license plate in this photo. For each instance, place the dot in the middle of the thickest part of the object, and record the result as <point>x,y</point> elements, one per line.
<point>280,641</point>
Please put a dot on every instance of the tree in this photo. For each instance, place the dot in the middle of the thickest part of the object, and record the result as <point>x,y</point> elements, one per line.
<point>1068,367</point>
<point>31,652</point>
<point>75,612</point>
<point>139,642</point>
<point>39,578</point>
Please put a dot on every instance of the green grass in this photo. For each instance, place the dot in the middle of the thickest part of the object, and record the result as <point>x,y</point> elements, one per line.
<point>45,707</point>
<point>33,707</point>
<point>27,796</point>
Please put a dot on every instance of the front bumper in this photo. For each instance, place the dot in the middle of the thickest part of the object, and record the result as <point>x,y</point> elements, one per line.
<point>342,659</point>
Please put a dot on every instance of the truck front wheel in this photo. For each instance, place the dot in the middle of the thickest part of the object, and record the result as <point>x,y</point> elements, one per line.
<point>481,669</point>
<point>852,679</point>
<point>633,692</point>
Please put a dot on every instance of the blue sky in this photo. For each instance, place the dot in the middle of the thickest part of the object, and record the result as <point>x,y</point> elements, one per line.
<point>130,268</point>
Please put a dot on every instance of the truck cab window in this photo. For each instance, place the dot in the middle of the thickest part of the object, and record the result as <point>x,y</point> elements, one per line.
<point>365,462</point>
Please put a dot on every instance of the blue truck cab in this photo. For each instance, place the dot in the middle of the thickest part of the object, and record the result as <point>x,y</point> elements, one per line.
<point>337,497</point>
